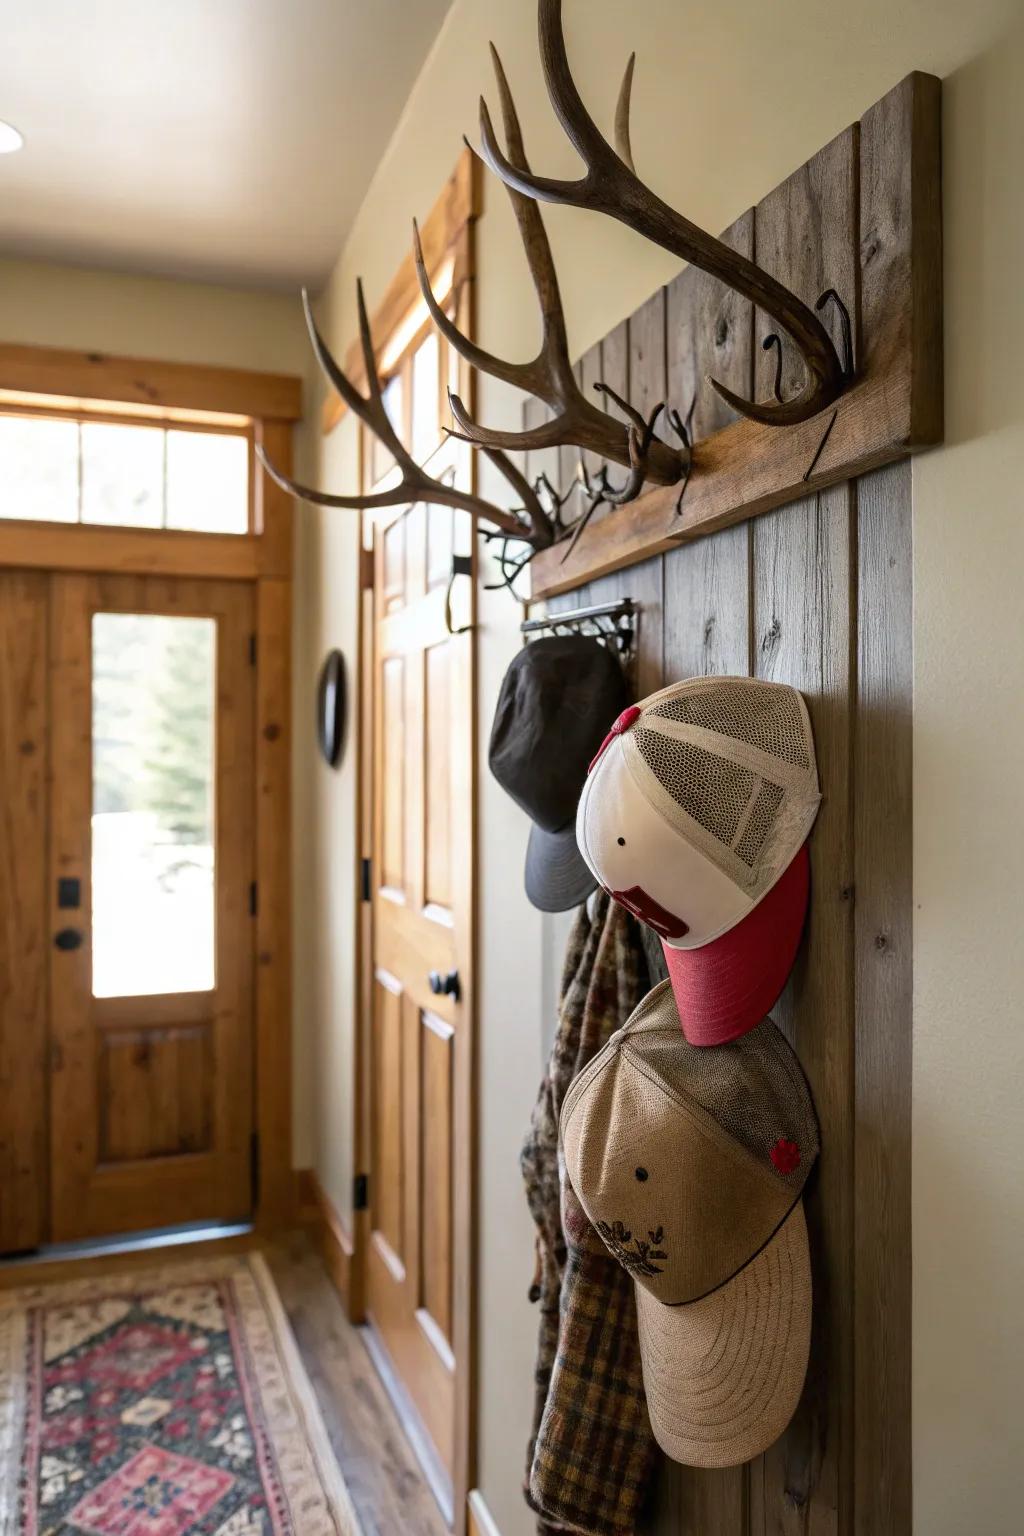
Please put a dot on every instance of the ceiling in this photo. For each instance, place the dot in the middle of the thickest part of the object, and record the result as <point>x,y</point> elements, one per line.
<point>229,140</point>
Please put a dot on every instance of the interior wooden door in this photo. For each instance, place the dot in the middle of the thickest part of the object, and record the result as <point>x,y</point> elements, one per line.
<point>422,893</point>
<point>151,870</point>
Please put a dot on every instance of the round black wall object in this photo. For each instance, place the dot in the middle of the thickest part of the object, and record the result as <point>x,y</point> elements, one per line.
<point>330,707</point>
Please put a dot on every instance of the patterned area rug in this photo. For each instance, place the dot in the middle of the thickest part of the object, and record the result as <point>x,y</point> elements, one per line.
<point>169,1402</point>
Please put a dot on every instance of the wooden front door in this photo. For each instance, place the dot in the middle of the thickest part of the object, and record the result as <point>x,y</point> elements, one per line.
<point>151,865</point>
<point>422,842</point>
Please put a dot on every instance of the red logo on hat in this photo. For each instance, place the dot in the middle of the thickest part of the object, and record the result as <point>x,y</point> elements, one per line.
<point>623,723</point>
<point>785,1155</point>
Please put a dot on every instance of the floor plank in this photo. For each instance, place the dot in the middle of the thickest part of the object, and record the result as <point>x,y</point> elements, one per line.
<point>382,1474</point>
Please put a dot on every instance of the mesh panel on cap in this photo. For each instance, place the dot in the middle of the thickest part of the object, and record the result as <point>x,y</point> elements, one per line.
<point>766,718</point>
<point>712,790</point>
<point>755,833</point>
<point>754,1087</point>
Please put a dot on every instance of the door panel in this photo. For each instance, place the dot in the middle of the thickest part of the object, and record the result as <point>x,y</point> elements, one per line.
<point>152,815</point>
<point>24,931</point>
<point>422,837</point>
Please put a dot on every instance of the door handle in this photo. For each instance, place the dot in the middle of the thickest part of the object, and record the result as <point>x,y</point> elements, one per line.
<point>447,985</point>
<point>68,938</point>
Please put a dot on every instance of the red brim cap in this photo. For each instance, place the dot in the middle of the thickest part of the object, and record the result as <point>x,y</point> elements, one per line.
<point>726,987</point>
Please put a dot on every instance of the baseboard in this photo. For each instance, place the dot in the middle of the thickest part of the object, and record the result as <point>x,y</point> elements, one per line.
<point>481,1521</point>
<point>318,1212</point>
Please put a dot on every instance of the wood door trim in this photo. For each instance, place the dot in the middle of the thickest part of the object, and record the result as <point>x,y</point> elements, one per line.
<point>464,1129</point>
<point>87,377</point>
<point>445,231</point>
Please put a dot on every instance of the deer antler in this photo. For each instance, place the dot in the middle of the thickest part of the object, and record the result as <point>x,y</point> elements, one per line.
<point>611,186</point>
<point>414,483</point>
<point>549,375</point>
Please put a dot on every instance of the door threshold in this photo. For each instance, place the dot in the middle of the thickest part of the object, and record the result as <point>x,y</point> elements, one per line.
<point>129,1242</point>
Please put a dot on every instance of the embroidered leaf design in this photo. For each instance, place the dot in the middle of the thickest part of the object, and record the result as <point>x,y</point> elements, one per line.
<point>635,1256</point>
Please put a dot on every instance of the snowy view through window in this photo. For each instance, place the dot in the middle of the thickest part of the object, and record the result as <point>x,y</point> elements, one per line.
<point>153,714</point>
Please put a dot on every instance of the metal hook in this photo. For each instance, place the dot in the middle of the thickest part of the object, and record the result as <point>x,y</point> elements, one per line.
<point>774,340</point>
<point>462,565</point>
<point>830,296</point>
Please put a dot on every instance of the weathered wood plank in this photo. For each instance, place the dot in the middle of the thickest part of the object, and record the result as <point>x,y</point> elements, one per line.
<point>895,405</point>
<point>710,331</point>
<point>802,631</point>
<point>707,607</point>
<point>883,864</point>
<point>24,950</point>
<point>644,585</point>
<point>901,243</point>
<point>806,234</point>
<point>648,360</point>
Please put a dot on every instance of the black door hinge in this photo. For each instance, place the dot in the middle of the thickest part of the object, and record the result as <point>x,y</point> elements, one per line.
<point>366,880</point>
<point>254,901</point>
<point>252,650</point>
<point>360,1191</point>
<point>254,1167</point>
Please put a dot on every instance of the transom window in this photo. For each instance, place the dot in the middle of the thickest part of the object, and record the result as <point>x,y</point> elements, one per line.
<point>115,473</point>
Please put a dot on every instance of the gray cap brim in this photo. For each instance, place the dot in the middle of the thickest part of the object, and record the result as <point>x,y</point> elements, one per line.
<point>557,875</point>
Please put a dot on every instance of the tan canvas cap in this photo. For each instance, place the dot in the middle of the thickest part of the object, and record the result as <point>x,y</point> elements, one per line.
<point>690,1162</point>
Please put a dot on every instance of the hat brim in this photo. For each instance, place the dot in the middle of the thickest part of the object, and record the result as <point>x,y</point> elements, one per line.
<point>726,987</point>
<point>557,875</point>
<point>723,1375</point>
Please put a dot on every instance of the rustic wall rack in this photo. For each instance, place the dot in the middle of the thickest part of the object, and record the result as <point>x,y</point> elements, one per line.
<point>863,217</point>
<point>615,623</point>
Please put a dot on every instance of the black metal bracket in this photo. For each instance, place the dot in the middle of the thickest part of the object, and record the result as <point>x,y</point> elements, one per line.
<point>615,624</point>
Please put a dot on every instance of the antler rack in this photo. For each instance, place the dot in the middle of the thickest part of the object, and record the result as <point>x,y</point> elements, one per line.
<point>576,421</point>
<point>532,524</point>
<point>610,185</point>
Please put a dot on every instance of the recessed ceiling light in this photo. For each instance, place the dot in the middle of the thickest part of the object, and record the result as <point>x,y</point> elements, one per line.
<point>10,139</point>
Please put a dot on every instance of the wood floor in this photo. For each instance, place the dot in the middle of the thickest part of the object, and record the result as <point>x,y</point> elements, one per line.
<point>383,1477</point>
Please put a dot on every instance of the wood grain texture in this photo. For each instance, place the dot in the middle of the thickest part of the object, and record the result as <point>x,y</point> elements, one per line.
<point>709,332</point>
<point>132,551</point>
<point>137,1137</point>
<point>807,228</point>
<point>24,929</point>
<point>882,829</point>
<point>330,1236</point>
<point>870,227</point>
<point>273,873</point>
<point>818,594</point>
<point>380,1469</point>
<point>87,376</point>
<point>804,635</point>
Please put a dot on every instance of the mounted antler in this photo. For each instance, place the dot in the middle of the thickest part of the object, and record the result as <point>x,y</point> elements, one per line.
<point>611,186</point>
<point>549,376</point>
<point>414,484</point>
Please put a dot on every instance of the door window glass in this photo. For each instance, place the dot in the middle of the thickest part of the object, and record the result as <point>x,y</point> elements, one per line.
<point>153,719</point>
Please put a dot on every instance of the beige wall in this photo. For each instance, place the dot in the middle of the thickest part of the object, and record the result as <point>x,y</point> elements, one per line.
<point>728,99</point>
<point>49,305</point>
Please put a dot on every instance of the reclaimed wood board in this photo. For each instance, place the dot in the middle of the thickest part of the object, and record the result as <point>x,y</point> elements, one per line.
<point>863,217</point>
<point>818,594</point>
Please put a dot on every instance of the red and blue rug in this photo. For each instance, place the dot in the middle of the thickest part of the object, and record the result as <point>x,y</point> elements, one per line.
<point>170,1402</point>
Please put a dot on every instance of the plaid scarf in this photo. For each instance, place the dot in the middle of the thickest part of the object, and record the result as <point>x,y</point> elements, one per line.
<point>592,1453</point>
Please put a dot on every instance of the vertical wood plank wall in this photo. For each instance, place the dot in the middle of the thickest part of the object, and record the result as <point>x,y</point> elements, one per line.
<point>817,594</point>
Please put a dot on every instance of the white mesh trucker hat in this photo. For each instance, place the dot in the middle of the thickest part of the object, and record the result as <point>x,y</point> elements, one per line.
<point>695,816</point>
